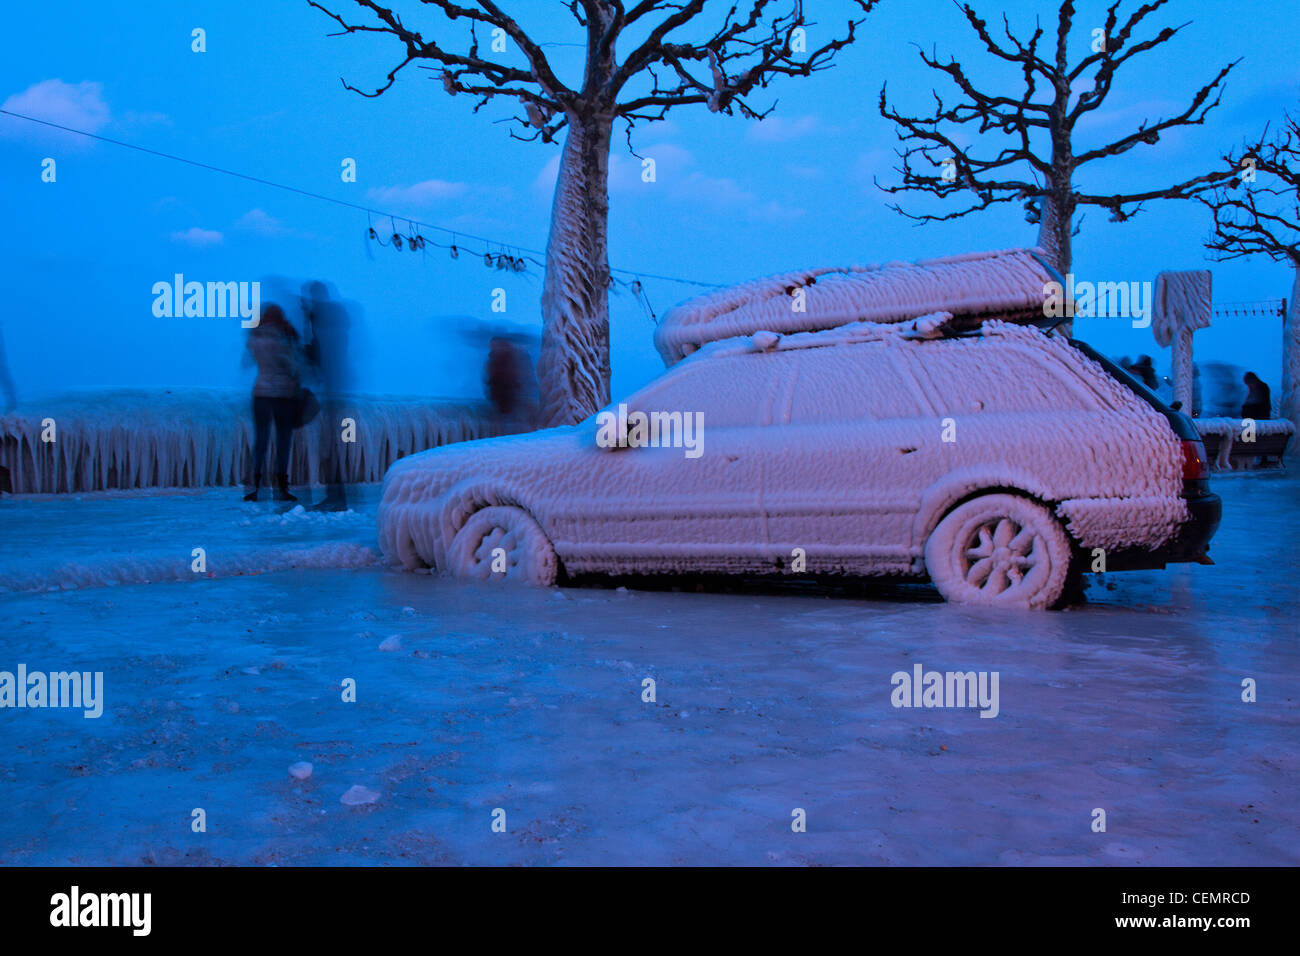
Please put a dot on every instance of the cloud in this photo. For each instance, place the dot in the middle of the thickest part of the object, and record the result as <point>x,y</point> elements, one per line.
<point>1121,119</point>
<point>779,129</point>
<point>169,204</point>
<point>133,119</point>
<point>77,105</point>
<point>544,181</point>
<point>881,164</point>
<point>198,238</point>
<point>418,194</point>
<point>676,180</point>
<point>259,222</point>
<point>803,171</point>
<point>262,223</point>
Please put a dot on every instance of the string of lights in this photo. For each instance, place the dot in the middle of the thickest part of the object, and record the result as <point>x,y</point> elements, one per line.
<point>503,260</point>
<point>509,257</point>
<point>1264,308</point>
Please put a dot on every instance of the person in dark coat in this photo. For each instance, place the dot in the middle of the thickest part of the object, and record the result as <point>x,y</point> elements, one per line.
<point>502,376</point>
<point>1259,401</point>
<point>273,345</point>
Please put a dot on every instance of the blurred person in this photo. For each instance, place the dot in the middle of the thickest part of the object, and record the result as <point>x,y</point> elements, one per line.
<point>503,376</point>
<point>327,324</point>
<point>273,346</point>
<point>1224,392</point>
<point>1144,370</point>
<point>6,380</point>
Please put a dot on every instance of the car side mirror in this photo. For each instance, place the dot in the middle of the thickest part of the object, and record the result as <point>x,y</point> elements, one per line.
<point>611,431</point>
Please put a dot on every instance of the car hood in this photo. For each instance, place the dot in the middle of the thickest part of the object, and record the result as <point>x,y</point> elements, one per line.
<point>432,472</point>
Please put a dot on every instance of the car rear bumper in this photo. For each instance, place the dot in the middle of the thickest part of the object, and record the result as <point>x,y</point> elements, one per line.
<point>1190,543</point>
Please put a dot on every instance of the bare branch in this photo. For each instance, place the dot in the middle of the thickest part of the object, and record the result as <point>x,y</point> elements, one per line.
<point>1243,226</point>
<point>934,162</point>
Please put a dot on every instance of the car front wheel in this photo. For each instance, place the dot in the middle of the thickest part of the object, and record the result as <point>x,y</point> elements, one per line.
<point>999,550</point>
<point>503,543</point>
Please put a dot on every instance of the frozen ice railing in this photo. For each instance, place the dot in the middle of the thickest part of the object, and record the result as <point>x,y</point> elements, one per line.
<point>1228,431</point>
<point>1230,428</point>
<point>199,437</point>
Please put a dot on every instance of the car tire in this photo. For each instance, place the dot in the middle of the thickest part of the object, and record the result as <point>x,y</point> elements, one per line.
<point>528,556</point>
<point>1000,550</point>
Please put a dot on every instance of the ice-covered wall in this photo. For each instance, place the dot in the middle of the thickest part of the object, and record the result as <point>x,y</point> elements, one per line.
<point>197,437</point>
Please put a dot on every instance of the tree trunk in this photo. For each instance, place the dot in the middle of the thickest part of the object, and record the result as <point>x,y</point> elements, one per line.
<point>1054,234</point>
<point>1289,399</point>
<point>573,371</point>
<point>1054,228</point>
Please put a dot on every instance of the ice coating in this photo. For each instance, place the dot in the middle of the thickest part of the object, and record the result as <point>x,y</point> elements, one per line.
<point>196,437</point>
<point>1005,283</point>
<point>1183,300</point>
<point>1229,430</point>
<point>832,442</point>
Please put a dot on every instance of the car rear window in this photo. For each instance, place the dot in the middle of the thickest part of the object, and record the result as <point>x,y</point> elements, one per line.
<point>969,375</point>
<point>1182,425</point>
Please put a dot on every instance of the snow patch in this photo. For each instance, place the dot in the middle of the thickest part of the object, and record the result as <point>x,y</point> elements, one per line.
<point>357,796</point>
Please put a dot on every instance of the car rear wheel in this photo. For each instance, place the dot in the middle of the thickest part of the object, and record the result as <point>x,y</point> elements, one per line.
<point>999,550</point>
<point>503,543</point>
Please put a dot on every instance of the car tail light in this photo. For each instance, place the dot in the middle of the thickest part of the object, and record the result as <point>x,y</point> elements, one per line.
<point>1195,465</point>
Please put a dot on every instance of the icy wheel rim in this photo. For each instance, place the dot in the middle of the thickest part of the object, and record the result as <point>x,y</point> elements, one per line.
<point>1001,555</point>
<point>503,543</point>
<point>485,557</point>
<point>1001,550</point>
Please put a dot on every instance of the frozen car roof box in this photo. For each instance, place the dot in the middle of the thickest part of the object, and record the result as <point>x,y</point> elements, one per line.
<point>1007,284</point>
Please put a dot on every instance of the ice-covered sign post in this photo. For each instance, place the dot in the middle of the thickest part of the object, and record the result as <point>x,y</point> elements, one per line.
<point>678,54</point>
<point>1183,304</point>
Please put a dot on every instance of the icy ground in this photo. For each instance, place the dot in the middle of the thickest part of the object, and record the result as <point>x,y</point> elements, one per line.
<point>531,702</point>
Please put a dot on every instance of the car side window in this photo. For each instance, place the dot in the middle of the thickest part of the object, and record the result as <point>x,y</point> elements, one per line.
<point>857,382</point>
<point>967,376</point>
<point>731,391</point>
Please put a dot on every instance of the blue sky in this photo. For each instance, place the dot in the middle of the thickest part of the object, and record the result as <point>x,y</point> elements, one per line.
<point>733,199</point>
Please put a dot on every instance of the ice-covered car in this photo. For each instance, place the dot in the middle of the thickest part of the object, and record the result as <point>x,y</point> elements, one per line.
<point>1000,462</point>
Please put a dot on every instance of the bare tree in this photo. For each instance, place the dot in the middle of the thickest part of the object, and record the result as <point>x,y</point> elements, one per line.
<point>1037,166</point>
<point>1258,213</point>
<point>719,66</point>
